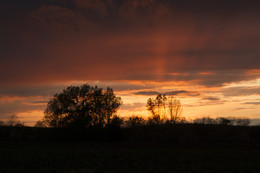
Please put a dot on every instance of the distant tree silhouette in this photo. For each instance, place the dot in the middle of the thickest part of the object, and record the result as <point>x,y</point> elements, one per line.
<point>242,121</point>
<point>116,121</point>
<point>226,121</point>
<point>14,121</point>
<point>135,121</point>
<point>175,109</point>
<point>233,121</point>
<point>158,108</point>
<point>204,120</point>
<point>82,106</point>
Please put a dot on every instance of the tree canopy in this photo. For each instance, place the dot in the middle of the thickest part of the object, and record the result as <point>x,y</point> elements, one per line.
<point>81,106</point>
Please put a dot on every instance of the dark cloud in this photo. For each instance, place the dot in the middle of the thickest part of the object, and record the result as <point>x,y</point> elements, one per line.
<point>177,92</point>
<point>211,98</point>
<point>147,93</point>
<point>39,102</point>
<point>182,92</point>
<point>51,89</point>
<point>252,103</point>
<point>121,85</point>
<point>241,91</point>
<point>64,40</point>
<point>17,106</point>
<point>240,108</point>
<point>31,91</point>
<point>205,103</point>
<point>214,77</point>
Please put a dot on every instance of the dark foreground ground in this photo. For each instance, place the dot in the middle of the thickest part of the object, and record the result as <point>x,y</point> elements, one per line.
<point>71,157</point>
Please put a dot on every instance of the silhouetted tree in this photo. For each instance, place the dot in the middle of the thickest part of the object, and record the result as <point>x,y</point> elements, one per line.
<point>242,121</point>
<point>41,123</point>
<point>135,121</point>
<point>116,121</point>
<point>175,109</point>
<point>151,107</point>
<point>14,121</point>
<point>81,106</point>
<point>157,107</point>
<point>204,120</point>
<point>231,121</point>
<point>224,121</point>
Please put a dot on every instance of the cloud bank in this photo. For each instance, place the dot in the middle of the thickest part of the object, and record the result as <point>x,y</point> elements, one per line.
<point>129,40</point>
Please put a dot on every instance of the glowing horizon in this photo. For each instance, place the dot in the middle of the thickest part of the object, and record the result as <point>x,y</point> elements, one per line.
<point>197,102</point>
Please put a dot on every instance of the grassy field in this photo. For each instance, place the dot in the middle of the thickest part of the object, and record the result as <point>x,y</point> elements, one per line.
<point>74,157</point>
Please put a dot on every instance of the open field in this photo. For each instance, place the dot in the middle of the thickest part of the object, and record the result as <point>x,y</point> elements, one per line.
<point>127,157</point>
<point>179,148</point>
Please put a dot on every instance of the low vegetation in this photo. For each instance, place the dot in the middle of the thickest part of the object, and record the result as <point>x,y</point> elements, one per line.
<point>128,157</point>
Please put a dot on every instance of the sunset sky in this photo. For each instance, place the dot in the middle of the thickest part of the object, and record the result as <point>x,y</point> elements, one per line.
<point>206,53</point>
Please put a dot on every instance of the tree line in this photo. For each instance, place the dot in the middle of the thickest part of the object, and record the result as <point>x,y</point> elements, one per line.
<point>87,106</point>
